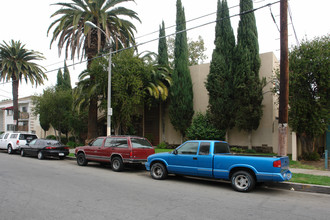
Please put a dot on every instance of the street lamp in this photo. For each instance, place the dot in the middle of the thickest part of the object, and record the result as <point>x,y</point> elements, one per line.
<point>109,112</point>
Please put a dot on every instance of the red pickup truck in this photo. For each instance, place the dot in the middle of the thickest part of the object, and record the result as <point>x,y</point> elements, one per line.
<point>116,150</point>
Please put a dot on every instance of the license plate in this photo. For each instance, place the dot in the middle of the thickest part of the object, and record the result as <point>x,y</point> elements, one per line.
<point>60,154</point>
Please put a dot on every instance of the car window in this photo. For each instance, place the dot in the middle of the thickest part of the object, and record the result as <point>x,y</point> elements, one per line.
<point>188,148</point>
<point>98,142</point>
<point>140,143</point>
<point>6,136</point>
<point>27,136</point>
<point>1,135</point>
<point>13,136</point>
<point>33,141</point>
<point>120,142</point>
<point>220,148</point>
<point>204,148</point>
<point>108,142</point>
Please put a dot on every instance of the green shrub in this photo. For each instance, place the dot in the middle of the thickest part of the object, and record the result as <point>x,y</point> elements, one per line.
<point>72,139</point>
<point>203,129</point>
<point>311,156</point>
<point>236,150</point>
<point>72,144</point>
<point>162,145</point>
<point>52,137</point>
<point>251,151</point>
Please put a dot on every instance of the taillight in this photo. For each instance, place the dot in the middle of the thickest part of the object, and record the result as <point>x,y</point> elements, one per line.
<point>50,148</point>
<point>17,142</point>
<point>131,154</point>
<point>67,148</point>
<point>277,163</point>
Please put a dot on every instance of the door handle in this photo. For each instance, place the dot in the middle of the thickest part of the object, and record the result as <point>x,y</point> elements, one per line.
<point>194,158</point>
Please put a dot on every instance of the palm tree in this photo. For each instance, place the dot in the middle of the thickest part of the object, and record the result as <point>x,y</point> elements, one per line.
<point>76,37</point>
<point>16,64</point>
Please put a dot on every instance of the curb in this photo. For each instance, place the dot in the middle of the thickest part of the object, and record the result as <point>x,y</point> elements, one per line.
<point>299,187</point>
<point>70,158</point>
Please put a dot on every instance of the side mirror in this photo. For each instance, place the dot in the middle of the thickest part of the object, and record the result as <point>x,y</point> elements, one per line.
<point>175,152</point>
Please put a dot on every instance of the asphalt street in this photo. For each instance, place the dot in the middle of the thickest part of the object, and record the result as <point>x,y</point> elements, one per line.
<point>56,189</point>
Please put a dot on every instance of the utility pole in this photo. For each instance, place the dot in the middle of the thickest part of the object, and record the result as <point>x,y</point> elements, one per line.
<point>284,82</point>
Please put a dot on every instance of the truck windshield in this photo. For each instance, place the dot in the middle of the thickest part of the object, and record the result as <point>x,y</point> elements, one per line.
<point>221,148</point>
<point>140,143</point>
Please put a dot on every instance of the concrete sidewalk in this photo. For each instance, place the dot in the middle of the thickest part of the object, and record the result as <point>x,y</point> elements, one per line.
<point>311,172</point>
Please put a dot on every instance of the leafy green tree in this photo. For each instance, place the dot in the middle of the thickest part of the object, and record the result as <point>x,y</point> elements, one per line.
<point>66,78</point>
<point>181,108</point>
<point>196,51</point>
<point>162,47</point>
<point>17,64</point>
<point>202,128</point>
<point>78,38</point>
<point>59,82</point>
<point>248,86</point>
<point>309,112</point>
<point>220,79</point>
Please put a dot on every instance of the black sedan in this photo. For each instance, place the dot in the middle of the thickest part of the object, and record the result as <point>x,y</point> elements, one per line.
<point>45,148</point>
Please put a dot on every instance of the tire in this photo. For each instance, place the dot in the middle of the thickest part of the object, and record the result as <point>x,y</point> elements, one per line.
<point>22,153</point>
<point>158,171</point>
<point>242,181</point>
<point>40,155</point>
<point>117,164</point>
<point>81,159</point>
<point>10,149</point>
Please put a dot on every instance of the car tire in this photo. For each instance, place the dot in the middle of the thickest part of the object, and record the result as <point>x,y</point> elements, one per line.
<point>117,164</point>
<point>81,159</point>
<point>158,171</point>
<point>242,181</point>
<point>22,153</point>
<point>40,155</point>
<point>10,149</point>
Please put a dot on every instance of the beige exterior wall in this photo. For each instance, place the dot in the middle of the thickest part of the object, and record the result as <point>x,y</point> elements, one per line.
<point>266,134</point>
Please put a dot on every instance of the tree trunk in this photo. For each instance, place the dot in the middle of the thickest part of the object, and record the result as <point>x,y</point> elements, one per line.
<point>92,119</point>
<point>307,143</point>
<point>15,100</point>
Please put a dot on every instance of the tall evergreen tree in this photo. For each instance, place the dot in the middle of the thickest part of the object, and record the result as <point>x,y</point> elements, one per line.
<point>162,47</point>
<point>59,82</point>
<point>248,86</point>
<point>181,94</point>
<point>66,77</point>
<point>220,81</point>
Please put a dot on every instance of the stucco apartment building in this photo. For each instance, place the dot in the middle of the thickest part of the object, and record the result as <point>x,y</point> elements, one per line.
<point>265,136</point>
<point>27,122</point>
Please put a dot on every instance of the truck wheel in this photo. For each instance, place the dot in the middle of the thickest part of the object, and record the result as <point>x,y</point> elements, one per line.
<point>22,153</point>
<point>40,155</point>
<point>117,164</point>
<point>81,159</point>
<point>158,171</point>
<point>242,181</point>
<point>10,149</point>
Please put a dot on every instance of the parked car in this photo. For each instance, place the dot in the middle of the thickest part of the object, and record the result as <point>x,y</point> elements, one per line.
<point>212,159</point>
<point>116,150</point>
<point>12,141</point>
<point>45,148</point>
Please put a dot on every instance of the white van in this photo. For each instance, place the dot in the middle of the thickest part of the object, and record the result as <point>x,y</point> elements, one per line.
<point>12,141</point>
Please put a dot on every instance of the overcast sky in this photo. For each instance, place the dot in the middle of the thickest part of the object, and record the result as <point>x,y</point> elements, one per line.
<point>28,22</point>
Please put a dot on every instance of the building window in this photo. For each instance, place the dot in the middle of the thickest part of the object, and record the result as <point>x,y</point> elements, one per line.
<point>9,112</point>
<point>10,127</point>
<point>24,109</point>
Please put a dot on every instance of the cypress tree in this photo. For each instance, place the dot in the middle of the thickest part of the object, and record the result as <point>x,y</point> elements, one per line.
<point>59,82</point>
<point>66,78</point>
<point>248,86</point>
<point>220,81</point>
<point>162,47</point>
<point>181,96</point>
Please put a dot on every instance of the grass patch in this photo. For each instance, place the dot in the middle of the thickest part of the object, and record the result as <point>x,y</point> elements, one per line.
<point>158,150</point>
<point>310,179</point>
<point>298,164</point>
<point>71,155</point>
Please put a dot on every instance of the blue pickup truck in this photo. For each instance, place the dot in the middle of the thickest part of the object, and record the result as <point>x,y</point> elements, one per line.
<point>212,159</point>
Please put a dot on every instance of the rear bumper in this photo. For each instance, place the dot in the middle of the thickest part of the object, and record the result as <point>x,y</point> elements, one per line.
<point>56,153</point>
<point>285,175</point>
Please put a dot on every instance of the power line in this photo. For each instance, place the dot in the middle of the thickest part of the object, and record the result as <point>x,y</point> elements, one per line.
<point>294,30</point>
